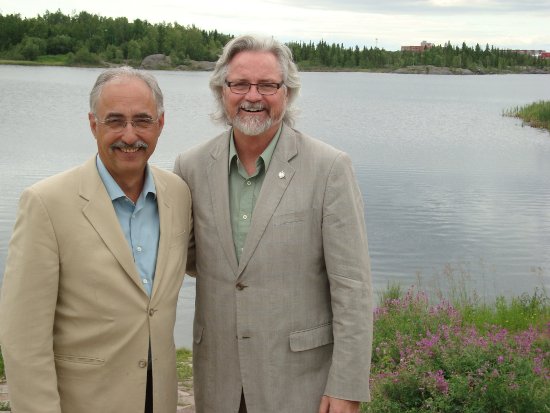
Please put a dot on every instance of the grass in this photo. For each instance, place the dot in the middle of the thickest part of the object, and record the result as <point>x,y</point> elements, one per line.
<point>184,366</point>
<point>535,114</point>
<point>53,60</point>
<point>2,372</point>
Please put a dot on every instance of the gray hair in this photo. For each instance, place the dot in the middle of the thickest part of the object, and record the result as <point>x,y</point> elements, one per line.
<point>252,43</point>
<point>122,72</point>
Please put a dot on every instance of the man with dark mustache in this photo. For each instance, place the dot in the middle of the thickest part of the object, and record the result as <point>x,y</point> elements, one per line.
<point>94,267</point>
<point>283,313</point>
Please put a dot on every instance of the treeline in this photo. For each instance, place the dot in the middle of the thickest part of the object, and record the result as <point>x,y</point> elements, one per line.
<point>474,58</point>
<point>89,39</point>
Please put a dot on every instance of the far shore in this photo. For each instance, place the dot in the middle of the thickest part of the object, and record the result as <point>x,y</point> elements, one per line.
<point>417,69</point>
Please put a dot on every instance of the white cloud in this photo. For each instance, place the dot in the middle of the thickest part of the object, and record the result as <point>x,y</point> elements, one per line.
<point>388,24</point>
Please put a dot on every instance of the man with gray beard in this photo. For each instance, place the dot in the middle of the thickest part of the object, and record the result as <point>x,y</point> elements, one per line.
<point>283,313</point>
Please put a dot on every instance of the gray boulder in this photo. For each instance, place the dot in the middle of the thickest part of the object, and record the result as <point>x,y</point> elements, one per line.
<point>156,61</point>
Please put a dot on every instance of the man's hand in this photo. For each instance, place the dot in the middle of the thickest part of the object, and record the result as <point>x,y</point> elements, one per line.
<point>332,405</point>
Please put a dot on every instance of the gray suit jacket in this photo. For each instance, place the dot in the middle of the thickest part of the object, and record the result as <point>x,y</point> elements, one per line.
<point>293,319</point>
<point>75,320</point>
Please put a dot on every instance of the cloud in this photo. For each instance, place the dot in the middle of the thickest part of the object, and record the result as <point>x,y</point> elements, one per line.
<point>430,7</point>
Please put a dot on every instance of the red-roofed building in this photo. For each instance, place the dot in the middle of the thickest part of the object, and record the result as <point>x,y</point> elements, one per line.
<point>417,49</point>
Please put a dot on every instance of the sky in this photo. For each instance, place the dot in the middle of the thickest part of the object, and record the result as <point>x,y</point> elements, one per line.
<point>388,24</point>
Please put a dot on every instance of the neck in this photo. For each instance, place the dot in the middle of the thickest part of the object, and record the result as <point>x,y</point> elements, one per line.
<point>131,185</point>
<point>249,148</point>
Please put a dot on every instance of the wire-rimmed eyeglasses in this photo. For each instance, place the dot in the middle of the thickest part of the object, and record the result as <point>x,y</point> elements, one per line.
<point>119,124</point>
<point>264,88</point>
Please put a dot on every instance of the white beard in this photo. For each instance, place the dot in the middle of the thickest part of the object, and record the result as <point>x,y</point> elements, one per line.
<point>251,125</point>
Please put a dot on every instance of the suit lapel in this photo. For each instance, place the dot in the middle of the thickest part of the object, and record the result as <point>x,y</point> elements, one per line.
<point>218,181</point>
<point>100,213</point>
<point>277,179</point>
<point>165,215</point>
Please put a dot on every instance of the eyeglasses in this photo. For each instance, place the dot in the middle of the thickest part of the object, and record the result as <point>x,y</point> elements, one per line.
<point>265,89</point>
<point>119,124</point>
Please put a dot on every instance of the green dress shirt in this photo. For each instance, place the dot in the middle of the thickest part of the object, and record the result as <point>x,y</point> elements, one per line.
<point>244,190</point>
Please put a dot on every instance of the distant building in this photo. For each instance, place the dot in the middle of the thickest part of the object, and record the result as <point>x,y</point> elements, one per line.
<point>545,55</point>
<point>417,49</point>
<point>529,52</point>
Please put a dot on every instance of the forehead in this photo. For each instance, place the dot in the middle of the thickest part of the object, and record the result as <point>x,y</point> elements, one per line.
<point>126,94</point>
<point>254,66</point>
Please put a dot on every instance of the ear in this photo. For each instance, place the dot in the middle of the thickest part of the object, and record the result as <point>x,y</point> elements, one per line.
<point>93,123</point>
<point>161,122</point>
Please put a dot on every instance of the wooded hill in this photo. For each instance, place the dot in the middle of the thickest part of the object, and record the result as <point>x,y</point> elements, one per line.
<point>89,39</point>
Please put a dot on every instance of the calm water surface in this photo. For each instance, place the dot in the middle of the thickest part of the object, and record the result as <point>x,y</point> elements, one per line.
<point>454,192</point>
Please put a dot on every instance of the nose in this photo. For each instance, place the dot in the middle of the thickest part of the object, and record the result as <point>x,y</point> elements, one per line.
<point>129,134</point>
<point>253,93</point>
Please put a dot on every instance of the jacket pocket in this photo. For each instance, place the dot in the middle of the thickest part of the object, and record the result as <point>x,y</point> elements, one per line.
<point>311,338</point>
<point>79,359</point>
<point>290,218</point>
<point>197,333</point>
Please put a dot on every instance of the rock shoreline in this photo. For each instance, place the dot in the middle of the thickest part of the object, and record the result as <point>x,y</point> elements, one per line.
<point>436,70</point>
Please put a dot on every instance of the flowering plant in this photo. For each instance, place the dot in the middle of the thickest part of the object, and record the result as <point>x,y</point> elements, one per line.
<point>456,358</point>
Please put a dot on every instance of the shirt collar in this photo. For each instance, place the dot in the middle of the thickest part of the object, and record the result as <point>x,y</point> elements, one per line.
<point>266,155</point>
<point>113,189</point>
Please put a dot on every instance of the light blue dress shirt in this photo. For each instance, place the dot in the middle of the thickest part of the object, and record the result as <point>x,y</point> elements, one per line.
<point>140,222</point>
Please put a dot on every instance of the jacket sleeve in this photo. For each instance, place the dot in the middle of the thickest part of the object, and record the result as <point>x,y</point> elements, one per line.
<point>27,309</point>
<point>348,268</point>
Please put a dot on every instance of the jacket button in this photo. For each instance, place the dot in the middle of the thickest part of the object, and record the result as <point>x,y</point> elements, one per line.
<point>241,286</point>
<point>142,363</point>
<point>152,311</point>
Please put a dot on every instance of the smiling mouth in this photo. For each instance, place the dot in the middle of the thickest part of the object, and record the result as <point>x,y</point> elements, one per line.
<point>252,107</point>
<point>130,149</point>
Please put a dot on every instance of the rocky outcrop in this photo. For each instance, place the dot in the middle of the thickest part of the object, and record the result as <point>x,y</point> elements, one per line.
<point>156,61</point>
<point>433,70</point>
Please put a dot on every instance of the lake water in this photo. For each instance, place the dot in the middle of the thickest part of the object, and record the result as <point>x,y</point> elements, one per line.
<point>454,192</point>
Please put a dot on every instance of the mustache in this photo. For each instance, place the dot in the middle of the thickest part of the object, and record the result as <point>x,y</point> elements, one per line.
<point>252,106</point>
<point>136,145</point>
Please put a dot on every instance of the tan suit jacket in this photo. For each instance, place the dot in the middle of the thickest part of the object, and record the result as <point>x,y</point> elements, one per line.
<point>293,319</point>
<point>75,320</point>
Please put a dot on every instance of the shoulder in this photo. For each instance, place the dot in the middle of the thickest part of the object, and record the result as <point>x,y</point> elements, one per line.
<point>317,152</point>
<point>169,179</point>
<point>209,148</point>
<point>59,185</point>
<point>315,147</point>
<point>192,161</point>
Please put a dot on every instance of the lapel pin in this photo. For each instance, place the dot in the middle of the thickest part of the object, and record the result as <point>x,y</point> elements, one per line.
<point>281,174</point>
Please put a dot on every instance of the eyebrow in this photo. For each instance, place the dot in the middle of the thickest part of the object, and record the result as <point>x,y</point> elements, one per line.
<point>136,116</point>
<point>248,81</point>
